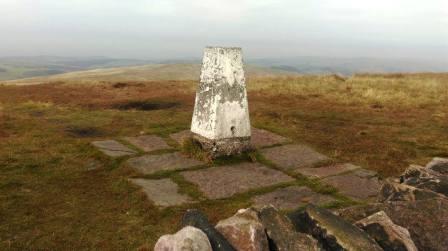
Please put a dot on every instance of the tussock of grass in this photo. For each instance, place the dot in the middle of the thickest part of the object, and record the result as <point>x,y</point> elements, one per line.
<point>193,149</point>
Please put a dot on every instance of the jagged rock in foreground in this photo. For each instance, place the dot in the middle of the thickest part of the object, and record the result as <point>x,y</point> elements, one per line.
<point>392,191</point>
<point>388,235</point>
<point>332,231</point>
<point>426,178</point>
<point>426,220</point>
<point>418,203</point>
<point>197,219</point>
<point>281,233</point>
<point>244,231</point>
<point>439,165</point>
<point>188,238</point>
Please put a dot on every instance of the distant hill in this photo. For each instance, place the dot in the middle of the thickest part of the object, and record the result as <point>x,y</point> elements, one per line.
<point>26,67</point>
<point>96,68</point>
<point>145,73</point>
<point>350,66</point>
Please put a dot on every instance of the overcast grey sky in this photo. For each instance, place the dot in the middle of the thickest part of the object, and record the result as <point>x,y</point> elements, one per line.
<point>264,28</point>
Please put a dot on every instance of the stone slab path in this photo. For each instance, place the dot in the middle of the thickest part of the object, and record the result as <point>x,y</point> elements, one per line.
<point>263,138</point>
<point>225,181</point>
<point>293,157</point>
<point>326,171</point>
<point>290,198</point>
<point>113,148</point>
<point>259,138</point>
<point>163,193</point>
<point>220,182</point>
<point>150,164</point>
<point>360,184</point>
<point>148,143</point>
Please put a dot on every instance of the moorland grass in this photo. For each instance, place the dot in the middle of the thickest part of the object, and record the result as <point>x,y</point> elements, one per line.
<point>58,193</point>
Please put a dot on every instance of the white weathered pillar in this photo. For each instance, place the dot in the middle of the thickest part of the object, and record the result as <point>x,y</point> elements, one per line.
<point>221,115</point>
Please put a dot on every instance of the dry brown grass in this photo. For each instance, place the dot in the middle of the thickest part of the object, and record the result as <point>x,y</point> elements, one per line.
<point>58,193</point>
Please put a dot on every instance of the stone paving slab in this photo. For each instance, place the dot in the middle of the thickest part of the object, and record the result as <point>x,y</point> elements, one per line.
<point>263,138</point>
<point>148,143</point>
<point>150,164</point>
<point>293,157</point>
<point>290,198</point>
<point>326,171</point>
<point>113,148</point>
<point>226,181</point>
<point>163,193</point>
<point>180,136</point>
<point>259,137</point>
<point>360,184</point>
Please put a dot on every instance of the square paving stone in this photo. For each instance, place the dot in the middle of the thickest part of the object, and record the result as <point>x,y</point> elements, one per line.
<point>259,137</point>
<point>113,148</point>
<point>180,136</point>
<point>360,184</point>
<point>226,181</point>
<point>290,198</point>
<point>263,138</point>
<point>293,157</point>
<point>150,164</point>
<point>148,143</point>
<point>326,171</point>
<point>163,193</point>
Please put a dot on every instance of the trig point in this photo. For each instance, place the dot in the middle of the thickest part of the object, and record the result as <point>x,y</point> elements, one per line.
<point>221,116</point>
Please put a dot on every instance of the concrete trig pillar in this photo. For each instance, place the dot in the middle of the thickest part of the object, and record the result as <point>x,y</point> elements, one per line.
<point>221,115</point>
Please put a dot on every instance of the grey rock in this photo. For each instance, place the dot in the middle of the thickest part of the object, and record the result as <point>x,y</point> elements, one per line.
<point>244,231</point>
<point>333,232</point>
<point>439,165</point>
<point>281,233</point>
<point>425,178</point>
<point>392,191</point>
<point>388,235</point>
<point>196,218</point>
<point>187,239</point>
<point>426,220</point>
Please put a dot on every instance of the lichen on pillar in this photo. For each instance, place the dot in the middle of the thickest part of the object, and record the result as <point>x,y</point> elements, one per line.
<point>221,116</point>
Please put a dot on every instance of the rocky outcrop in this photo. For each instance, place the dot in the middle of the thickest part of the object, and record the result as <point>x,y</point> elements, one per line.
<point>332,231</point>
<point>387,234</point>
<point>439,165</point>
<point>392,191</point>
<point>244,231</point>
<point>426,220</point>
<point>281,233</point>
<point>426,178</point>
<point>417,202</point>
<point>188,238</point>
<point>197,219</point>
